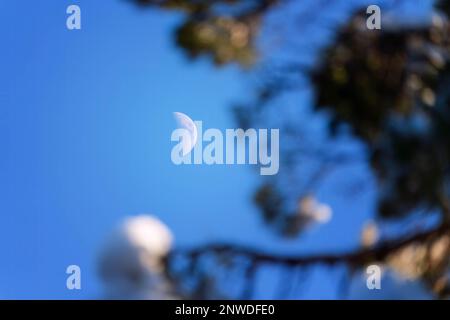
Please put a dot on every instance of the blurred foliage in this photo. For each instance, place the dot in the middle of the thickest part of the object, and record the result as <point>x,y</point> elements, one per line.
<point>390,87</point>
<point>224,30</point>
<point>225,39</point>
<point>428,260</point>
<point>444,6</point>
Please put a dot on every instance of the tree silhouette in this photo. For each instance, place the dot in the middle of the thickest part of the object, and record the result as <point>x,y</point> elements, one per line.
<point>387,89</point>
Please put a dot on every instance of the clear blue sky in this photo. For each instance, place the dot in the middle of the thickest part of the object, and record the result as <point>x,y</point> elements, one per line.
<point>85,124</point>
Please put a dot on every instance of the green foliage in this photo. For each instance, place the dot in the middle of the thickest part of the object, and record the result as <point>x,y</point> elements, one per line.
<point>224,39</point>
<point>387,85</point>
<point>391,87</point>
<point>223,30</point>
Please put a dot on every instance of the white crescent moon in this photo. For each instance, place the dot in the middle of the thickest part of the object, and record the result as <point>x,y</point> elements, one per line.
<point>184,122</point>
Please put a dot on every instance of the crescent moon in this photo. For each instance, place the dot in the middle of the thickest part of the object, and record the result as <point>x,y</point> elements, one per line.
<point>184,122</point>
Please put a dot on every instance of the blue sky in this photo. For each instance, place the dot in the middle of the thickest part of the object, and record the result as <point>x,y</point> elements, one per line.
<point>85,124</point>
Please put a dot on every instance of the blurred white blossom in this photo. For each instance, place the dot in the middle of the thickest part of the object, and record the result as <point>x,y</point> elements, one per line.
<point>132,261</point>
<point>313,211</point>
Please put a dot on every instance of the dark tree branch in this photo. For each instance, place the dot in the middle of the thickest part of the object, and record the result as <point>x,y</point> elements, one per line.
<point>357,258</point>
